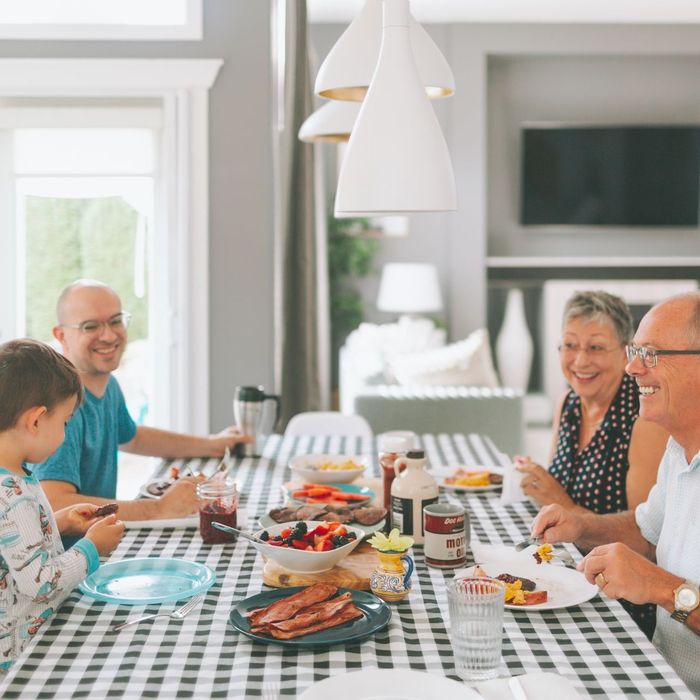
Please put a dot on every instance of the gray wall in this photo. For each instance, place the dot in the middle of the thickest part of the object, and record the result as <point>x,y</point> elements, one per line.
<point>506,74</point>
<point>241,239</point>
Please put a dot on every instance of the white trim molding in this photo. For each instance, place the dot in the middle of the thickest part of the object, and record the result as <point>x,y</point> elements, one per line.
<point>182,299</point>
<point>189,29</point>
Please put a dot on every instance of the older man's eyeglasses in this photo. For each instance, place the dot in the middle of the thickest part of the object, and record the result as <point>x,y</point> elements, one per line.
<point>594,350</point>
<point>649,356</point>
<point>116,323</point>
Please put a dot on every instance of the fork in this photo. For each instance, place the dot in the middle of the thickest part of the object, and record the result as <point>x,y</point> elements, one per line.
<point>178,614</point>
<point>224,466</point>
<point>561,554</point>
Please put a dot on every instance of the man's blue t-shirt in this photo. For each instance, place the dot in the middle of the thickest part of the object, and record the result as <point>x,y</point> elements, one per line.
<point>88,456</point>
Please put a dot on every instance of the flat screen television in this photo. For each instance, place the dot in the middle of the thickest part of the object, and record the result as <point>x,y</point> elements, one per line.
<point>610,175</point>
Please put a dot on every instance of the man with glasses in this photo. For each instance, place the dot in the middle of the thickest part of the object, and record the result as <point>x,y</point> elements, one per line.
<point>92,332</point>
<point>652,554</point>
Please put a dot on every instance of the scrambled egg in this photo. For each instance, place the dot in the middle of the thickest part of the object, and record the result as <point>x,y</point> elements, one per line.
<point>338,466</point>
<point>543,553</point>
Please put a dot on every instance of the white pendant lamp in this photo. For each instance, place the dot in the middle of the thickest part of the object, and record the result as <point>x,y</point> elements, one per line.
<point>331,123</point>
<point>397,160</point>
<point>350,64</point>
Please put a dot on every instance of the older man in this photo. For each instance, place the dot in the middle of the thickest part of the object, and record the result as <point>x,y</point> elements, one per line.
<point>651,554</point>
<point>92,331</point>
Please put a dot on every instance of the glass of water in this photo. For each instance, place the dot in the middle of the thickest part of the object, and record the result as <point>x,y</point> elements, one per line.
<point>476,626</point>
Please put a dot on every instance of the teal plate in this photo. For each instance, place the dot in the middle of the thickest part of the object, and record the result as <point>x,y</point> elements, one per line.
<point>290,487</point>
<point>148,580</point>
<point>376,617</point>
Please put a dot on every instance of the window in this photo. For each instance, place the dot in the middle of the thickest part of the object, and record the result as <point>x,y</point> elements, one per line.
<point>101,19</point>
<point>84,203</point>
<point>123,142</point>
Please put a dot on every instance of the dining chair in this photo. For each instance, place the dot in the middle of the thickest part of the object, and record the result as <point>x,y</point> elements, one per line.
<point>328,423</point>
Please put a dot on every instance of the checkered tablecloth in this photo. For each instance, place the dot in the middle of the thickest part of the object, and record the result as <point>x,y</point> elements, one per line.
<point>595,645</point>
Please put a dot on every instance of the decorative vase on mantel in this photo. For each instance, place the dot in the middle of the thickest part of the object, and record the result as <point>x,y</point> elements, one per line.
<point>514,346</point>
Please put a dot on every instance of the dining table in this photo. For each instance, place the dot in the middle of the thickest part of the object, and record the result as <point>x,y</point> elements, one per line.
<point>595,645</point>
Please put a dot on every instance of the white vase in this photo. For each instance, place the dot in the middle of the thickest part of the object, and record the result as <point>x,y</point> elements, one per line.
<point>514,344</point>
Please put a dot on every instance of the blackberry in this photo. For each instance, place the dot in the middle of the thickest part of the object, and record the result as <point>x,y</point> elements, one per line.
<point>265,536</point>
<point>340,540</point>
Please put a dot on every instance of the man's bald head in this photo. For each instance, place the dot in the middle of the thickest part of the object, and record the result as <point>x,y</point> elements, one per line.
<point>685,310</point>
<point>64,303</point>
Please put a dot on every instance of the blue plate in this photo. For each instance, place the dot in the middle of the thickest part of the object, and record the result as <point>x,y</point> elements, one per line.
<point>290,487</point>
<point>376,617</point>
<point>148,580</point>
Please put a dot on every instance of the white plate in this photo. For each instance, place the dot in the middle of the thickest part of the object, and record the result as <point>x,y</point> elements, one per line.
<point>443,473</point>
<point>388,684</point>
<point>189,521</point>
<point>303,467</point>
<point>565,587</point>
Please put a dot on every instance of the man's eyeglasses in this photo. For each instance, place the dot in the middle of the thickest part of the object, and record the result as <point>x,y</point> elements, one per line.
<point>649,356</point>
<point>118,322</point>
<point>593,350</point>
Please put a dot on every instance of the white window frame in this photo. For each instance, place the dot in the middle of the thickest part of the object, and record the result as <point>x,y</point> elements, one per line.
<point>190,31</point>
<point>183,297</point>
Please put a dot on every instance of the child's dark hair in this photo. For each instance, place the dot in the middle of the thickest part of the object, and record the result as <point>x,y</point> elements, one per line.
<point>33,374</point>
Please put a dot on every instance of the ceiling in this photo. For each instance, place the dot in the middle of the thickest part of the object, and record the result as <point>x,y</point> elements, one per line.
<point>535,11</point>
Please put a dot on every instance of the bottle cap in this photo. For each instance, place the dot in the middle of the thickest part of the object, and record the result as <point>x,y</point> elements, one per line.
<point>390,443</point>
<point>416,454</point>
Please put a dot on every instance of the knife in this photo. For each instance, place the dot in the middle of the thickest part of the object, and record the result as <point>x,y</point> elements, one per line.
<point>516,688</point>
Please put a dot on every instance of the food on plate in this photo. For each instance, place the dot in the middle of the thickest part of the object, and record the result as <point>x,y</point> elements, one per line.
<point>317,494</point>
<point>159,487</point>
<point>474,479</point>
<point>106,509</point>
<point>543,553</point>
<point>347,465</point>
<point>365,515</point>
<point>323,538</point>
<point>311,610</point>
<point>518,589</point>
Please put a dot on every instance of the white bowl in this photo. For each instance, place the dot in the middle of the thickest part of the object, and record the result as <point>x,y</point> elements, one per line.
<point>303,467</point>
<point>300,561</point>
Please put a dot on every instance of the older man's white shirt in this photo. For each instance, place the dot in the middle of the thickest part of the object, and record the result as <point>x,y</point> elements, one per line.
<point>670,520</point>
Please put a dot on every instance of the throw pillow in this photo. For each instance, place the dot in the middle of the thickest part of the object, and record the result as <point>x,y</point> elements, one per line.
<point>466,363</point>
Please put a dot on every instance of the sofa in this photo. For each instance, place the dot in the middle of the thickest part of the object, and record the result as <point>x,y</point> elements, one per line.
<point>403,376</point>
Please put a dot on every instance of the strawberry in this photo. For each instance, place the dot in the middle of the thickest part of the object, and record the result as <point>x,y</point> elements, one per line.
<point>323,545</point>
<point>286,533</point>
<point>299,544</point>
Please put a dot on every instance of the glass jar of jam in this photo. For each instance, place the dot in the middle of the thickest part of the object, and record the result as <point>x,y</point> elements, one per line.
<point>390,449</point>
<point>218,502</point>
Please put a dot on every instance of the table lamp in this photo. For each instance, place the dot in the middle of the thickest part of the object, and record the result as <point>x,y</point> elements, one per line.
<point>409,288</point>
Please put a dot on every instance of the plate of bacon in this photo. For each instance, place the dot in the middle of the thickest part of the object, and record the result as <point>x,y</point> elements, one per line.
<point>529,585</point>
<point>310,616</point>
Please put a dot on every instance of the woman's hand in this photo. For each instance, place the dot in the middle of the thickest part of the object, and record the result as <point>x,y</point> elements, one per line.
<point>540,485</point>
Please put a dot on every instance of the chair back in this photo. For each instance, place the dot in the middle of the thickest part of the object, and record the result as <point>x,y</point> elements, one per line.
<point>328,423</point>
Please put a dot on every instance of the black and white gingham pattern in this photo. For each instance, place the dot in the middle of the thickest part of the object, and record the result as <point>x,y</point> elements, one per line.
<point>595,645</point>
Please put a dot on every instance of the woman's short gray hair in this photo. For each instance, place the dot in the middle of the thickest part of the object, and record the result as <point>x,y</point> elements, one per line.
<point>599,305</point>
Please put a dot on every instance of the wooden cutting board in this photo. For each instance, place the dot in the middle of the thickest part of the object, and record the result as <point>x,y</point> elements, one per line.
<point>353,572</point>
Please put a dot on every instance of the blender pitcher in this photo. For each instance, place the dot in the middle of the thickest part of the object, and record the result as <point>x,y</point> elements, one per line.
<point>248,410</point>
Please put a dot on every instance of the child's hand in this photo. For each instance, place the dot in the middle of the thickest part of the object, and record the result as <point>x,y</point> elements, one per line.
<point>75,520</point>
<point>106,534</point>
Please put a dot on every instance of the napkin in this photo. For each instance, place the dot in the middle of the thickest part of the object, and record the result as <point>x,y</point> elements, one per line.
<point>511,491</point>
<point>536,685</point>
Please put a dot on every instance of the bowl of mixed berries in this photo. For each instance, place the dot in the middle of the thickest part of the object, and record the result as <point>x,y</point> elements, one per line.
<point>308,546</point>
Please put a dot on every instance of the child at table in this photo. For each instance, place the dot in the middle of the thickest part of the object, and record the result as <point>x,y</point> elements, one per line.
<point>39,389</point>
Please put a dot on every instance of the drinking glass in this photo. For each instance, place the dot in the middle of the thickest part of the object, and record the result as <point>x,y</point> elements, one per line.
<point>476,626</point>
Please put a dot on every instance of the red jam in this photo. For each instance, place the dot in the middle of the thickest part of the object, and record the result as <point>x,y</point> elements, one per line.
<point>215,512</point>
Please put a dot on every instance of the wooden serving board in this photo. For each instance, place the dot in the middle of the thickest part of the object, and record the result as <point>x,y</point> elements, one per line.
<point>353,572</point>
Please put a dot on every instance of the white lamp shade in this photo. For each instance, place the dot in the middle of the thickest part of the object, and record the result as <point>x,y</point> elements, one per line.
<point>397,160</point>
<point>347,71</point>
<point>332,123</point>
<point>409,288</point>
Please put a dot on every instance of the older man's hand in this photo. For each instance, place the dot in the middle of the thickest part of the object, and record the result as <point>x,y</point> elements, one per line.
<point>554,524</point>
<point>229,437</point>
<point>620,572</point>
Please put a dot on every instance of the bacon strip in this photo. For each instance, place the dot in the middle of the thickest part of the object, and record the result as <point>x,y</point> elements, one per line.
<point>315,614</point>
<point>288,607</point>
<point>349,612</point>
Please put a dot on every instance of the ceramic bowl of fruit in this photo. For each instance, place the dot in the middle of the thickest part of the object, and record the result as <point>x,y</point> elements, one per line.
<point>308,546</point>
<point>328,468</point>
